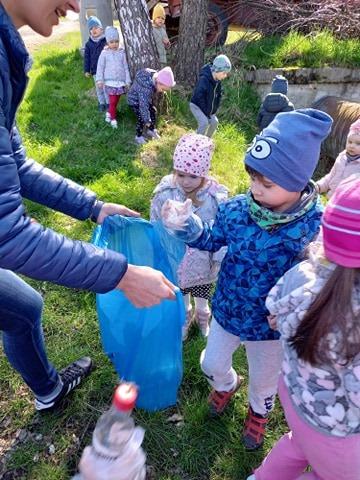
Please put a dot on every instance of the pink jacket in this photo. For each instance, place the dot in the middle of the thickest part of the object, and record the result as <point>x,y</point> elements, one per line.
<point>198,267</point>
<point>340,170</point>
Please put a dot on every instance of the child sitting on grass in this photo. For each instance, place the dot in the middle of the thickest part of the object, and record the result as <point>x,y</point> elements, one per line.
<point>265,232</point>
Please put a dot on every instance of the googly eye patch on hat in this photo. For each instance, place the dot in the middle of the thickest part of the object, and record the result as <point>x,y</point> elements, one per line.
<point>260,147</point>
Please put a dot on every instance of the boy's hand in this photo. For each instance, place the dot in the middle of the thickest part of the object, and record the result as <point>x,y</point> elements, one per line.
<point>100,84</point>
<point>87,74</point>
<point>115,209</point>
<point>175,214</point>
<point>145,287</point>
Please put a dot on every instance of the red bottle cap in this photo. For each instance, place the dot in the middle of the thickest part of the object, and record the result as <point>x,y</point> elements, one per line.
<point>125,396</point>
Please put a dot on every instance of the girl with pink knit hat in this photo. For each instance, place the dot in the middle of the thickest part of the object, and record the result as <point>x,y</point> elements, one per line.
<point>141,100</point>
<point>189,180</point>
<point>316,308</point>
<point>346,164</point>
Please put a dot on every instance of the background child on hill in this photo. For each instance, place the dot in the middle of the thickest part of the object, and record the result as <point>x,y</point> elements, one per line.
<point>316,307</point>
<point>198,269</point>
<point>141,99</point>
<point>207,94</point>
<point>265,231</point>
<point>159,31</point>
<point>346,164</point>
<point>113,72</point>
<point>93,48</point>
<point>274,102</point>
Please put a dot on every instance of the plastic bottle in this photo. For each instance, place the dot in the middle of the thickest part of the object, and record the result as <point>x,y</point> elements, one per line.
<point>115,453</point>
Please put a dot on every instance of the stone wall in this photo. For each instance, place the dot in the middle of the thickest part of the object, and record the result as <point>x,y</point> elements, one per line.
<point>307,85</point>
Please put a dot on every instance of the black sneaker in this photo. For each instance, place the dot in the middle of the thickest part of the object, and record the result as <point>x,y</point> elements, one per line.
<point>71,376</point>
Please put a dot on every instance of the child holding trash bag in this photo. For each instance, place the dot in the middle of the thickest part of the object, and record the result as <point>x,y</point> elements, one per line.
<point>189,180</point>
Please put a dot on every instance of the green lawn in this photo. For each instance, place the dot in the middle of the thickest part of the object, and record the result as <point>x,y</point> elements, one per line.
<point>63,130</point>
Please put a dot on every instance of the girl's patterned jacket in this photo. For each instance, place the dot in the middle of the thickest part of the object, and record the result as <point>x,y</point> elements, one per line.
<point>256,258</point>
<point>326,396</point>
<point>113,67</point>
<point>343,167</point>
<point>197,267</point>
<point>141,92</point>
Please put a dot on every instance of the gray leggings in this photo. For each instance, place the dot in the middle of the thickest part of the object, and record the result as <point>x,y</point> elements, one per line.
<point>206,126</point>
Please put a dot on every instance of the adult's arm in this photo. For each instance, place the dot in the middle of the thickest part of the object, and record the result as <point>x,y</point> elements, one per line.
<point>39,252</point>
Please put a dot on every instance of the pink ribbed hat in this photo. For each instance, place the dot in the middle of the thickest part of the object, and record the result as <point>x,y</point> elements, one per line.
<point>355,128</point>
<point>166,77</point>
<point>341,224</point>
<point>193,154</point>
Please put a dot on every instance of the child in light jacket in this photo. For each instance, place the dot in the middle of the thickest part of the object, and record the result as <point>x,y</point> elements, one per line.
<point>346,164</point>
<point>316,308</point>
<point>265,232</point>
<point>159,31</point>
<point>198,269</point>
<point>113,72</point>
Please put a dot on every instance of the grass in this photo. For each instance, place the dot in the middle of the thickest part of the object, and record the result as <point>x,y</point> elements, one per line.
<point>63,130</point>
<point>319,49</point>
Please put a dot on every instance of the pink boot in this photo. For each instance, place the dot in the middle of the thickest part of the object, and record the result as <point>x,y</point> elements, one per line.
<point>202,317</point>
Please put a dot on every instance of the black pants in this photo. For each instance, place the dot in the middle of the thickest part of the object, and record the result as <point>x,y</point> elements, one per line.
<point>139,121</point>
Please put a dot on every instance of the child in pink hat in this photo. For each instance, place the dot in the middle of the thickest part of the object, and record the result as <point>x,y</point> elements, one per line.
<point>140,99</point>
<point>316,308</point>
<point>189,180</point>
<point>346,164</point>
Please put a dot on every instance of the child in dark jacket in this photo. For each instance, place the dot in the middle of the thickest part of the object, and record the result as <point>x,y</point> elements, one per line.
<point>93,48</point>
<point>265,232</point>
<point>141,99</point>
<point>207,93</point>
<point>274,102</point>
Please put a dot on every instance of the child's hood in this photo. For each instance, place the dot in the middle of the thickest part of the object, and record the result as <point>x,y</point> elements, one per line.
<point>206,72</point>
<point>275,102</point>
<point>145,78</point>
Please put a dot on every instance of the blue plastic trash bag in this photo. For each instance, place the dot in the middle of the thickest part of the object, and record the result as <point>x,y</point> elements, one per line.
<point>144,344</point>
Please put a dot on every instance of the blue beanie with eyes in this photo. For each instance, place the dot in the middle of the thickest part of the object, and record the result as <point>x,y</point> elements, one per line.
<point>93,22</point>
<point>288,150</point>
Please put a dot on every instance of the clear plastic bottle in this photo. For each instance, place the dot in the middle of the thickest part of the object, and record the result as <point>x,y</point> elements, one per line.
<point>115,453</point>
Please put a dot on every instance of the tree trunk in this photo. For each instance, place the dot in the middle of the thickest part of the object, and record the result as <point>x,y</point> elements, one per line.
<point>191,44</point>
<point>136,28</point>
<point>104,12</point>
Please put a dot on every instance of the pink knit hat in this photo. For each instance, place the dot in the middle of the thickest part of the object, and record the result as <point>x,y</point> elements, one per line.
<point>193,154</point>
<point>355,128</point>
<point>341,224</point>
<point>166,77</point>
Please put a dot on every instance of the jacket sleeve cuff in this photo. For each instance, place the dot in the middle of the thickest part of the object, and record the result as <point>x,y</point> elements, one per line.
<point>96,210</point>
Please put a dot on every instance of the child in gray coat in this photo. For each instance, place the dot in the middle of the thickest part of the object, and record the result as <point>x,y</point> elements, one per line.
<point>275,102</point>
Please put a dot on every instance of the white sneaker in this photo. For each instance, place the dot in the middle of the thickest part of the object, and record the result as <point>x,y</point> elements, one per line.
<point>252,477</point>
<point>153,134</point>
<point>107,117</point>
<point>140,140</point>
<point>113,123</point>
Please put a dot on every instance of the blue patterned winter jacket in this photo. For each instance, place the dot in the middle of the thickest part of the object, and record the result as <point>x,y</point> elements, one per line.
<point>255,260</point>
<point>141,92</point>
<point>27,247</point>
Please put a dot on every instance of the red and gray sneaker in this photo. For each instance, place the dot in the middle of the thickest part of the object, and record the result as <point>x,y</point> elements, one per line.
<point>218,401</point>
<point>71,376</point>
<point>254,430</point>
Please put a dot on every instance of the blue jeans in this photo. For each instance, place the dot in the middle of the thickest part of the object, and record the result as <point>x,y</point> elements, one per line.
<point>20,321</point>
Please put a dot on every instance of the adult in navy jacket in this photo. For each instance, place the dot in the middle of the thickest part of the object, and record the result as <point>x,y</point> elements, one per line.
<point>27,247</point>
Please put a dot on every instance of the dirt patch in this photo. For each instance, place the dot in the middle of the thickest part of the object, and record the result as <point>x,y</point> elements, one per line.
<point>33,40</point>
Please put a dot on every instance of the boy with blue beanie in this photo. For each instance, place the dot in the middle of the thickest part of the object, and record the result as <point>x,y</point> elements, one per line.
<point>275,102</point>
<point>93,48</point>
<point>265,231</point>
<point>207,94</point>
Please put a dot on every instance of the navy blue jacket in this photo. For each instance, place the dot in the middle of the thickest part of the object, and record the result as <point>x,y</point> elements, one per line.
<point>207,92</point>
<point>92,54</point>
<point>26,247</point>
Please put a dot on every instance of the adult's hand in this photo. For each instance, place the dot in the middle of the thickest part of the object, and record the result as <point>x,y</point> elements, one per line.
<point>145,287</point>
<point>115,209</point>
